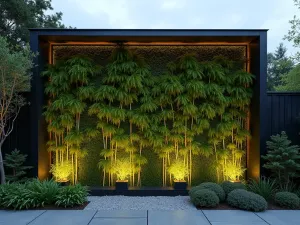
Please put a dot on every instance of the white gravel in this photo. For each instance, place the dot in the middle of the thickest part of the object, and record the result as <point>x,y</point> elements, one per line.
<point>139,203</point>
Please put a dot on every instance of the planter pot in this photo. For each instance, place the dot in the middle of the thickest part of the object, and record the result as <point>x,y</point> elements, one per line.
<point>180,185</point>
<point>64,183</point>
<point>121,185</point>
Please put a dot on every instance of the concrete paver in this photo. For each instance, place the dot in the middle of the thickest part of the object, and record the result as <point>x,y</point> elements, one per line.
<point>64,217</point>
<point>19,217</point>
<point>142,217</point>
<point>119,221</point>
<point>233,217</point>
<point>281,217</point>
<point>122,213</point>
<point>177,218</point>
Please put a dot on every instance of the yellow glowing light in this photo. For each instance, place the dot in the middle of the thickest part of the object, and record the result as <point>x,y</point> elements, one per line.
<point>61,171</point>
<point>178,170</point>
<point>122,169</point>
<point>233,171</point>
<point>235,181</point>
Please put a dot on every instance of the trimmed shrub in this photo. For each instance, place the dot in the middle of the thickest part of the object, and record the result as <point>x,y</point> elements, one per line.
<point>215,188</point>
<point>193,189</point>
<point>246,200</point>
<point>205,198</point>
<point>287,200</point>
<point>70,196</point>
<point>230,186</point>
<point>297,192</point>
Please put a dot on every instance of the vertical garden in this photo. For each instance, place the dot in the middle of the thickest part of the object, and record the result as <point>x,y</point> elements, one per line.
<point>151,115</point>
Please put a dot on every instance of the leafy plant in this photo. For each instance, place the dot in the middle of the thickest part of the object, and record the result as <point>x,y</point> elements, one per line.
<point>264,187</point>
<point>15,161</point>
<point>178,170</point>
<point>287,200</point>
<point>71,196</point>
<point>215,188</point>
<point>204,198</point>
<point>246,200</point>
<point>17,196</point>
<point>61,171</point>
<point>282,158</point>
<point>43,191</point>
<point>35,194</point>
<point>229,186</point>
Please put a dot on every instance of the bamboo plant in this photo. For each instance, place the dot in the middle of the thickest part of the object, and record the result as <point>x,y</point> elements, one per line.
<point>67,86</point>
<point>169,114</point>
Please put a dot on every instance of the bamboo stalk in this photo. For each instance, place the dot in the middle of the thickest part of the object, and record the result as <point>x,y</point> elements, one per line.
<point>103,138</point>
<point>76,168</point>
<point>109,176</point>
<point>103,179</point>
<point>73,175</point>
<point>163,172</point>
<point>190,172</point>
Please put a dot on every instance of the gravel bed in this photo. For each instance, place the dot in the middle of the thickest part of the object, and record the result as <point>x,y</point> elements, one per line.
<point>139,203</point>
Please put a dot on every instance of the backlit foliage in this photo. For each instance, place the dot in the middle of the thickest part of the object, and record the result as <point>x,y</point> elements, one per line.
<point>192,109</point>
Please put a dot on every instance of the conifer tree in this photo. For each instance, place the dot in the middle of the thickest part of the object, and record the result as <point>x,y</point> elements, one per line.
<point>15,162</point>
<point>282,158</point>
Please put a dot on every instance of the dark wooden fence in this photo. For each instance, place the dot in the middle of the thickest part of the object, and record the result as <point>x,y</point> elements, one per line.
<point>284,114</point>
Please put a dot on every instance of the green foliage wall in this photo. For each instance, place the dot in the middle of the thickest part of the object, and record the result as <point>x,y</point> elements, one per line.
<point>157,57</point>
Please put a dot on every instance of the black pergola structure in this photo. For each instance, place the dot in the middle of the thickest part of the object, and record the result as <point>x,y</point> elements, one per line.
<point>42,42</point>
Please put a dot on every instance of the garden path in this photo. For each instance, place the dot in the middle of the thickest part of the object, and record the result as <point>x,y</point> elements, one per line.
<point>148,217</point>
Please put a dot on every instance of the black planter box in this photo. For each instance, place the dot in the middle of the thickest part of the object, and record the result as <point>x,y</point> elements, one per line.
<point>180,185</point>
<point>64,183</point>
<point>121,185</point>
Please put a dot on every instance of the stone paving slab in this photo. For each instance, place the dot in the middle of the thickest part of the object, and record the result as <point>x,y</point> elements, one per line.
<point>281,217</point>
<point>179,217</point>
<point>238,223</point>
<point>119,221</point>
<point>19,217</point>
<point>122,213</point>
<point>64,217</point>
<point>233,217</point>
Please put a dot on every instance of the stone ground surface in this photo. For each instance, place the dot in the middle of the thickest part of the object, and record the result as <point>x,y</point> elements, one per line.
<point>149,217</point>
<point>139,203</point>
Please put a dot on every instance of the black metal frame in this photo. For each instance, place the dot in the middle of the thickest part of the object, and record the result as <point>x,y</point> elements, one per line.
<point>39,39</point>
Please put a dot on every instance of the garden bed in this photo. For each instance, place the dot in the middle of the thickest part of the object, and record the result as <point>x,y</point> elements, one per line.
<point>225,206</point>
<point>54,207</point>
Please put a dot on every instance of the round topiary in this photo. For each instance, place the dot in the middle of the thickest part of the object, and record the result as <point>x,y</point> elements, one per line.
<point>230,186</point>
<point>287,200</point>
<point>215,188</point>
<point>193,190</point>
<point>247,200</point>
<point>205,198</point>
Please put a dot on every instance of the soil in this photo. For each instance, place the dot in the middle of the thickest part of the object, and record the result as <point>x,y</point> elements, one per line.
<point>225,206</point>
<point>54,207</point>
<point>221,206</point>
